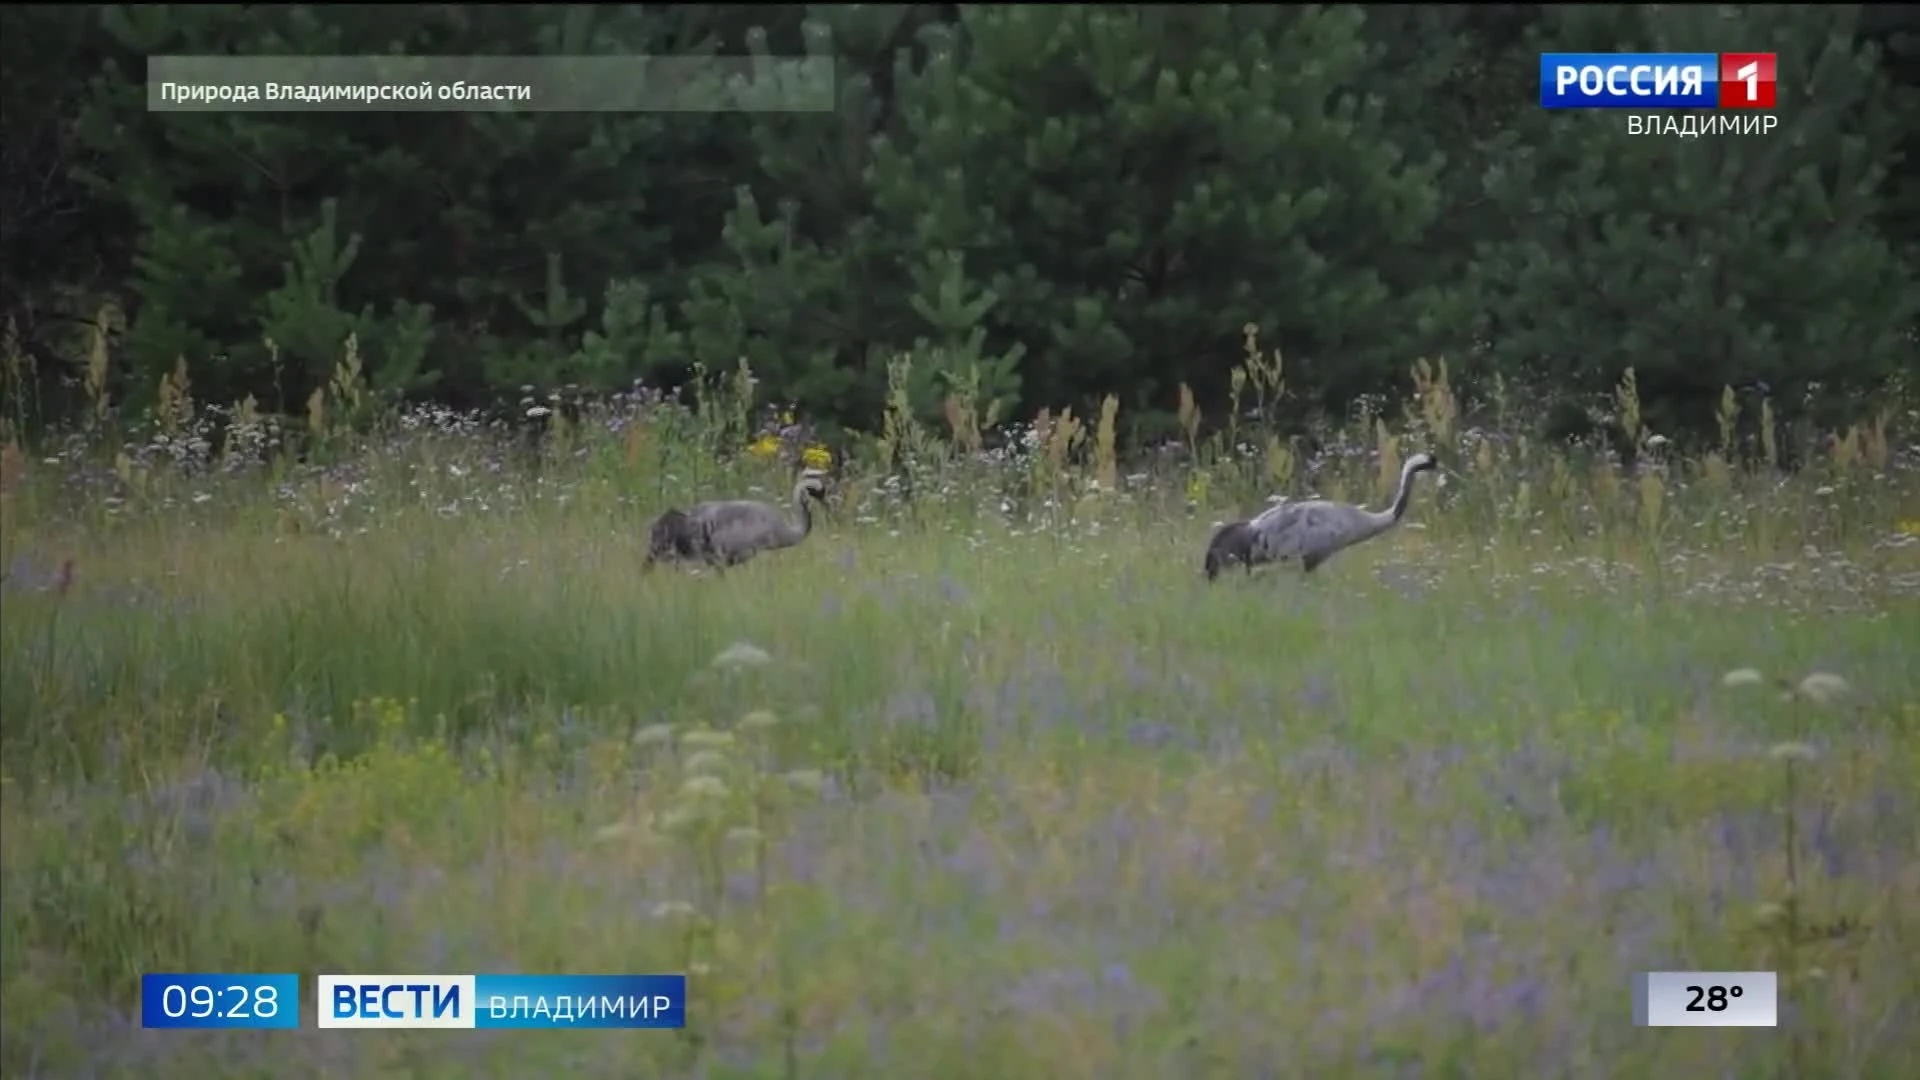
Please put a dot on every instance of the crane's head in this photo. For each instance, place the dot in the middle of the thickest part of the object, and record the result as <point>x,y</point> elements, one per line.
<point>1421,462</point>
<point>1232,542</point>
<point>672,534</point>
<point>814,482</point>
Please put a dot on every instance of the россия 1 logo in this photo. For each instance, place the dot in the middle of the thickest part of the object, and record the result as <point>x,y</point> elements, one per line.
<point>1657,81</point>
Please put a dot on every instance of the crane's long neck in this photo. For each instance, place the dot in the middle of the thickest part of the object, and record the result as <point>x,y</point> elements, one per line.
<point>1379,521</point>
<point>1401,498</point>
<point>797,533</point>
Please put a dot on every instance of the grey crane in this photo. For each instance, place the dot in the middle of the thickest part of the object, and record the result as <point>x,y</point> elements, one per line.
<point>1311,532</point>
<point>731,531</point>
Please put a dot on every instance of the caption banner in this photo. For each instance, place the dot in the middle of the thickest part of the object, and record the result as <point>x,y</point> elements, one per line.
<point>490,84</point>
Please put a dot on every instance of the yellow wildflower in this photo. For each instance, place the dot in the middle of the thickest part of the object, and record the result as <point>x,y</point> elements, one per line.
<point>816,457</point>
<point>765,446</point>
<point>1909,528</point>
<point>1197,487</point>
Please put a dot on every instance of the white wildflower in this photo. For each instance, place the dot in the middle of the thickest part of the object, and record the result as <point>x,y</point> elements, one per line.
<point>704,787</point>
<point>1745,676</point>
<point>1791,751</point>
<point>678,820</point>
<point>759,720</point>
<point>653,734</point>
<point>1823,688</point>
<point>740,654</point>
<point>806,779</point>
<point>707,739</point>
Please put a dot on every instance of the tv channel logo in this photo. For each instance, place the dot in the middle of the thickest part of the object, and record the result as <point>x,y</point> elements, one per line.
<point>534,1002</point>
<point>1747,80</point>
<point>1658,80</point>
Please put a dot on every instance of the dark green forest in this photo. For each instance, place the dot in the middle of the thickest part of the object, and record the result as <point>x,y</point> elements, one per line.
<point>1053,202</point>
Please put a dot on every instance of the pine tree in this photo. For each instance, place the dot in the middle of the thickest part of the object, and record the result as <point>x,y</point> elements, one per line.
<point>1137,184</point>
<point>1745,260</point>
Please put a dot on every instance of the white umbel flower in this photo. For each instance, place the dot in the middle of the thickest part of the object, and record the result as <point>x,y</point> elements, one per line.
<point>1823,688</point>
<point>741,654</point>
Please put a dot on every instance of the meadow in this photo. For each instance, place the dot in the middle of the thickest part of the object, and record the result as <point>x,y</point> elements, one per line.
<point>981,780</point>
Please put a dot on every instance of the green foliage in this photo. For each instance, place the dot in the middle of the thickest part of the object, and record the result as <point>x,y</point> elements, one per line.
<point>1048,205</point>
<point>956,356</point>
<point>416,709</point>
<point>1712,261</point>
<point>224,202</point>
<point>304,322</point>
<point>634,341</point>
<point>767,304</point>
<point>1135,185</point>
<point>979,780</point>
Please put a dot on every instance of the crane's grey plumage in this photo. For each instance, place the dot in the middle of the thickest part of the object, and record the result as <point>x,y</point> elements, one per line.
<point>1314,531</point>
<point>732,531</point>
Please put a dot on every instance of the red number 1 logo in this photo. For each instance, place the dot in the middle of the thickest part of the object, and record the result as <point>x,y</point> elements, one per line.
<point>1746,80</point>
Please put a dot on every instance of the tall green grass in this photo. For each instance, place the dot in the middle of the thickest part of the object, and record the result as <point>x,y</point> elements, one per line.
<point>1013,793</point>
